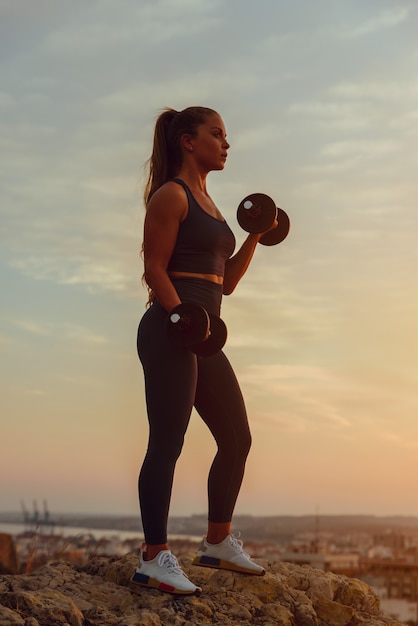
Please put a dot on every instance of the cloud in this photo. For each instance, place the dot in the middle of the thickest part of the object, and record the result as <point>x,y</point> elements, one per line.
<point>150,24</point>
<point>34,392</point>
<point>32,327</point>
<point>385,20</point>
<point>384,91</point>
<point>5,341</point>
<point>293,395</point>
<point>83,335</point>
<point>360,149</point>
<point>64,330</point>
<point>362,106</point>
<point>399,441</point>
<point>82,271</point>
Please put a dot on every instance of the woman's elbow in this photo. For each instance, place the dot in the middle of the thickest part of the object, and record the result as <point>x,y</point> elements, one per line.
<point>227,289</point>
<point>152,273</point>
<point>147,276</point>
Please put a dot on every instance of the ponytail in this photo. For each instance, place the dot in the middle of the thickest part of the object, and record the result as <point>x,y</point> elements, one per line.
<point>167,156</point>
<point>159,161</point>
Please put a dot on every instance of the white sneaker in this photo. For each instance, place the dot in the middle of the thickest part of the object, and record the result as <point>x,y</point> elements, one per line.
<point>164,573</point>
<point>227,555</point>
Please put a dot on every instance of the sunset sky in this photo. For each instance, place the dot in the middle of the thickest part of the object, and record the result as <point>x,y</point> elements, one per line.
<point>320,103</point>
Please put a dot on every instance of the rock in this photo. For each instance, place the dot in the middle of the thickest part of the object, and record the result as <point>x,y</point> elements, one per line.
<point>8,556</point>
<point>10,618</point>
<point>102,594</point>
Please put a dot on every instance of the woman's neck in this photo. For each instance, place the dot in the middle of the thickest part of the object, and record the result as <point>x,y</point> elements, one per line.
<point>196,181</point>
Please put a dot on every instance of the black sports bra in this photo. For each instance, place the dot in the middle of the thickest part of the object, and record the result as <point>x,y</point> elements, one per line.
<point>203,244</point>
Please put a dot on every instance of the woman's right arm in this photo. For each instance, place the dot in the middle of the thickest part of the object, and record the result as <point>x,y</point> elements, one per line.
<point>166,210</point>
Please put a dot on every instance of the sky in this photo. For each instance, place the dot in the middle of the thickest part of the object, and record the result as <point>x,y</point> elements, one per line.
<point>319,100</point>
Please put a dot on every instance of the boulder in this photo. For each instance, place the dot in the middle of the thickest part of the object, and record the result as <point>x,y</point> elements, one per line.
<point>102,594</point>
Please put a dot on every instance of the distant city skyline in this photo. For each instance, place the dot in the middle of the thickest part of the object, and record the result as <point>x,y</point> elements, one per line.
<point>319,103</point>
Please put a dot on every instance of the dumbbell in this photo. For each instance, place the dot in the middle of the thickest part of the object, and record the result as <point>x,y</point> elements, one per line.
<point>257,212</point>
<point>191,326</point>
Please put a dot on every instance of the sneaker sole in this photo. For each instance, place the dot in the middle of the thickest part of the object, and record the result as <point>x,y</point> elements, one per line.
<point>210,561</point>
<point>152,583</point>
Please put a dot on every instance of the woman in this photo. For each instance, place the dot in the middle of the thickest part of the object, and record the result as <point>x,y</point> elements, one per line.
<point>188,251</point>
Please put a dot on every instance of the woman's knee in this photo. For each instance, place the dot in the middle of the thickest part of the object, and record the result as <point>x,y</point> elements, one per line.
<point>166,450</point>
<point>237,446</point>
<point>246,444</point>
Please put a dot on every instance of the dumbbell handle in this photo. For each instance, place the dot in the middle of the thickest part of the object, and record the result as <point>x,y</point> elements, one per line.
<point>184,323</point>
<point>216,339</point>
<point>257,213</point>
<point>191,326</point>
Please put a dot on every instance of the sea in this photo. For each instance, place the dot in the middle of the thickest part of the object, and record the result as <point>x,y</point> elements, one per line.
<point>71,531</point>
<point>74,531</point>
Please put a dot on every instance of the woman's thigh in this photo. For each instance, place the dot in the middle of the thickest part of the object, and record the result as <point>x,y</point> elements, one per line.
<point>170,375</point>
<point>220,403</point>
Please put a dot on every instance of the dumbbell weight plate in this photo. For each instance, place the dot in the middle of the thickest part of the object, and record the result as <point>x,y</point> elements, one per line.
<point>188,324</point>
<point>256,213</point>
<point>216,340</point>
<point>275,236</point>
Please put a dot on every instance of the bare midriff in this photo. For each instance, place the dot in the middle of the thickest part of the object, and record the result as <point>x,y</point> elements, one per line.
<point>213,278</point>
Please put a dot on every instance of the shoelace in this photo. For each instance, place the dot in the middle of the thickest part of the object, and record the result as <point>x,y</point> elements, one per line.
<point>169,561</point>
<point>237,544</point>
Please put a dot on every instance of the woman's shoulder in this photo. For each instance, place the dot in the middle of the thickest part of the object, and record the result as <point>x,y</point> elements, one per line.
<point>170,197</point>
<point>171,188</point>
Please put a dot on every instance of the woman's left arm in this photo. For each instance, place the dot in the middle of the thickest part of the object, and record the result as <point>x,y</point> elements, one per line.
<point>237,265</point>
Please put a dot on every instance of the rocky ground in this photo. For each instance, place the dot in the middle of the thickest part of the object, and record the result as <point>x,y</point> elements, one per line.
<point>101,594</point>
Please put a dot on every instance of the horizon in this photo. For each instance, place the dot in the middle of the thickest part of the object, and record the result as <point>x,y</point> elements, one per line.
<point>101,514</point>
<point>319,104</point>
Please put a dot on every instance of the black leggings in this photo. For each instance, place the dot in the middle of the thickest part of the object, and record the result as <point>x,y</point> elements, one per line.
<point>175,381</point>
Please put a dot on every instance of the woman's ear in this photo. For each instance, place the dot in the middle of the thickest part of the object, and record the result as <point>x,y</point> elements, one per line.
<point>187,143</point>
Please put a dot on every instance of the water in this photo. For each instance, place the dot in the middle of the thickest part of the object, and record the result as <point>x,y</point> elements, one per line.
<point>73,531</point>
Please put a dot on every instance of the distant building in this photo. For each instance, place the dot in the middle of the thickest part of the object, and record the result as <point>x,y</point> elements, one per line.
<point>347,563</point>
<point>399,578</point>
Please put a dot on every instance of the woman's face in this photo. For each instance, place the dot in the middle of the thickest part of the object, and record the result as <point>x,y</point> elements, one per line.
<point>209,147</point>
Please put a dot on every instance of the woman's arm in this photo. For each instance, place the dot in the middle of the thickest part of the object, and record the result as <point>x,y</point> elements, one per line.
<point>237,265</point>
<point>166,209</point>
